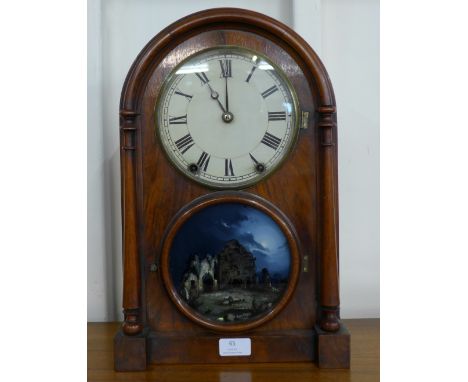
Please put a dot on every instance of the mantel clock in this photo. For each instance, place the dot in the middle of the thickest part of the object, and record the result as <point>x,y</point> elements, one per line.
<point>229,198</point>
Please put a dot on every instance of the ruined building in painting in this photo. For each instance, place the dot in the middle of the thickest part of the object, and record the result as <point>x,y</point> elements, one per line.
<point>200,277</point>
<point>234,266</point>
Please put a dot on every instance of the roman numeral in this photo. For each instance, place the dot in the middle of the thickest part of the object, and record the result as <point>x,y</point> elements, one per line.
<point>225,68</point>
<point>203,161</point>
<point>276,115</point>
<point>269,91</point>
<point>203,78</point>
<point>250,74</point>
<point>271,141</point>
<point>189,97</point>
<point>178,120</point>
<point>184,143</point>
<point>228,171</point>
<point>253,158</point>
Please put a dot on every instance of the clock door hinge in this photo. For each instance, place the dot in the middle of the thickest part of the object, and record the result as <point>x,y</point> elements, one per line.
<point>305,120</point>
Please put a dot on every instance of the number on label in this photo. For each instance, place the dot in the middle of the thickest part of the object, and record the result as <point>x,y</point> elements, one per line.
<point>271,141</point>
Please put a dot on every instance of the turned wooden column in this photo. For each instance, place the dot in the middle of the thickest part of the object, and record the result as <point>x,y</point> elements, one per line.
<point>131,269</point>
<point>329,281</point>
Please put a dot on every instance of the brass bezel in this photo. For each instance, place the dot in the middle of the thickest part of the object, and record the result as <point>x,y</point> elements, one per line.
<point>222,197</point>
<point>295,127</point>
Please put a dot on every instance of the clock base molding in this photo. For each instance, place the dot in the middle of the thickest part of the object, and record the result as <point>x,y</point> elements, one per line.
<point>333,349</point>
<point>327,350</point>
<point>130,352</point>
<point>284,346</point>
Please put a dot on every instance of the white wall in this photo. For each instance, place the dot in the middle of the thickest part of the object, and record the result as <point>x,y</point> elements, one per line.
<point>100,304</point>
<point>350,52</point>
<point>118,30</point>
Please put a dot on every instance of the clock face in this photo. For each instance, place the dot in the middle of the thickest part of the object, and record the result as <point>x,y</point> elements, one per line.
<point>227,117</point>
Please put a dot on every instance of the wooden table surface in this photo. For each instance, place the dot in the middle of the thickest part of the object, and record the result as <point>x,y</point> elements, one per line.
<point>365,356</point>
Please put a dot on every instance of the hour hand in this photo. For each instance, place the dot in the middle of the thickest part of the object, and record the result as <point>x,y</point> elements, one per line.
<point>215,95</point>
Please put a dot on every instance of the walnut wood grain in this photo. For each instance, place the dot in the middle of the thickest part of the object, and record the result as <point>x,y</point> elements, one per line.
<point>329,290</point>
<point>292,188</point>
<point>132,278</point>
<point>304,187</point>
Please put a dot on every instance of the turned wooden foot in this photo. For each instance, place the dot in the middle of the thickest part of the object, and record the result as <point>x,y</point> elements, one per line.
<point>329,321</point>
<point>132,325</point>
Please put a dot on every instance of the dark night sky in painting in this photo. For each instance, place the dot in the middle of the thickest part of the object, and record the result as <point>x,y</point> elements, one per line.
<point>207,231</point>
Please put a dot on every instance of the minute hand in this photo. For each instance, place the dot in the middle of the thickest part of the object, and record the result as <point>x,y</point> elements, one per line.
<point>227,95</point>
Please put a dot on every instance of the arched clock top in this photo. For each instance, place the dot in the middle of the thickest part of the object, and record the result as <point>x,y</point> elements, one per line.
<point>228,18</point>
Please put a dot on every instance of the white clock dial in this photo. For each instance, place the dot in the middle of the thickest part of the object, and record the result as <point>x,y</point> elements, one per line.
<point>227,117</point>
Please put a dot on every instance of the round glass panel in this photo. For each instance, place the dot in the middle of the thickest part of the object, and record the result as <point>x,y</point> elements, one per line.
<point>230,262</point>
<point>227,117</point>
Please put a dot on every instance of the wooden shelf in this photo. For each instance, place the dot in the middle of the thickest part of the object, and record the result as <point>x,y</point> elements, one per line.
<point>365,358</point>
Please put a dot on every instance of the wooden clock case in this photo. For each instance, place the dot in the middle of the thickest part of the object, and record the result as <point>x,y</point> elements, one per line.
<point>306,325</point>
